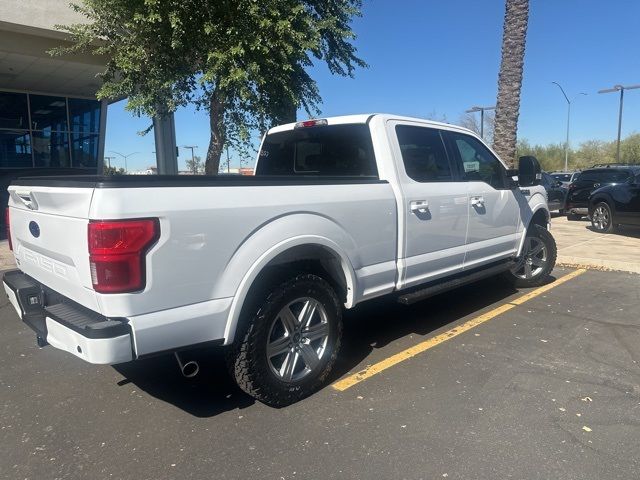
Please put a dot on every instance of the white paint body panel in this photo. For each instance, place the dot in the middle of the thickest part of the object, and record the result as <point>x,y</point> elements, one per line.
<point>215,240</point>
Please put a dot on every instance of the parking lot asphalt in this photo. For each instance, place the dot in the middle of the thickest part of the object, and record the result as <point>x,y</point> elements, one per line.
<point>546,388</point>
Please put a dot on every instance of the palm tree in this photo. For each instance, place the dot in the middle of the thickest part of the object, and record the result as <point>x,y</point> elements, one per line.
<point>514,37</point>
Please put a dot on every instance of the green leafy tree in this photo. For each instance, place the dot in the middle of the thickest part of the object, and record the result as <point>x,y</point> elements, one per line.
<point>195,165</point>
<point>243,61</point>
<point>112,171</point>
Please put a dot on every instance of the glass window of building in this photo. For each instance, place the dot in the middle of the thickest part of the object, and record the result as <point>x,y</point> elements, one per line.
<point>45,131</point>
<point>48,113</point>
<point>15,149</point>
<point>13,110</point>
<point>51,149</point>
<point>84,115</point>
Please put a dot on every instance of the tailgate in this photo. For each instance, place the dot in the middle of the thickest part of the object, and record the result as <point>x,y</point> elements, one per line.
<point>49,233</point>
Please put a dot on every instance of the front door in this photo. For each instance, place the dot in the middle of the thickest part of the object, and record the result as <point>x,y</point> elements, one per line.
<point>434,206</point>
<point>494,207</point>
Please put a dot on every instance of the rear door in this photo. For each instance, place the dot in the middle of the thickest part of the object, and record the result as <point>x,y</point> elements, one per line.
<point>49,235</point>
<point>434,204</point>
<point>494,207</point>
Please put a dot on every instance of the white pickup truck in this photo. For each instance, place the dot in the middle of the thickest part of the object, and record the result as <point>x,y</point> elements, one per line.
<point>340,210</point>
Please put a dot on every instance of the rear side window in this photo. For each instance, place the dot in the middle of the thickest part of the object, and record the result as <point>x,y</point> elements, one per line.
<point>327,150</point>
<point>423,154</point>
<point>605,176</point>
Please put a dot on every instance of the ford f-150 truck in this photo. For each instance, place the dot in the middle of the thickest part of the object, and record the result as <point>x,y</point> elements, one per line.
<point>340,210</point>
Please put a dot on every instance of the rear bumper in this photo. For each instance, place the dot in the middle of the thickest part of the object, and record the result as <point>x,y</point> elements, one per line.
<point>66,325</point>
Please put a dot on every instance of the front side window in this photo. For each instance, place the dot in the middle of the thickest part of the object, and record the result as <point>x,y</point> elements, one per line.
<point>324,150</point>
<point>423,154</point>
<point>478,163</point>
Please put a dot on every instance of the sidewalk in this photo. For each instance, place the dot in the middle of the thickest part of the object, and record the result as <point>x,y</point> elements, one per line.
<point>579,246</point>
<point>6,256</point>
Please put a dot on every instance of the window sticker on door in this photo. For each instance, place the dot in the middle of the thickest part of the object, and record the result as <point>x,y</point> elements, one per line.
<point>471,167</point>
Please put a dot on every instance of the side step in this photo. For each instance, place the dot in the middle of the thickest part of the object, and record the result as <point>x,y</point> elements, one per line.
<point>464,278</point>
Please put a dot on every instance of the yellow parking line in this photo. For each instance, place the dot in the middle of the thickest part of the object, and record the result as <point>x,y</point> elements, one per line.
<point>410,352</point>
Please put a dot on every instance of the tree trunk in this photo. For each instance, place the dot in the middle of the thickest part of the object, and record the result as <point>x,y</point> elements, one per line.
<point>217,138</point>
<point>510,79</point>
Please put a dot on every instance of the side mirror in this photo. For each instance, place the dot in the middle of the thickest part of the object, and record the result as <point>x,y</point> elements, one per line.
<point>529,171</point>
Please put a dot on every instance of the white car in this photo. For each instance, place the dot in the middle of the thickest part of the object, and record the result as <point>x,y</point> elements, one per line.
<point>340,211</point>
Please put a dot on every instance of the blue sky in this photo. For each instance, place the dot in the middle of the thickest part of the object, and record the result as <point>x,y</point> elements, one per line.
<point>429,57</point>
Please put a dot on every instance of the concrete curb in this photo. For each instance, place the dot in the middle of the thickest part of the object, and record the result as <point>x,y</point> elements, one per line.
<point>596,264</point>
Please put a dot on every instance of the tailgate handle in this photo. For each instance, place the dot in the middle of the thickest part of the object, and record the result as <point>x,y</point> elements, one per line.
<point>27,200</point>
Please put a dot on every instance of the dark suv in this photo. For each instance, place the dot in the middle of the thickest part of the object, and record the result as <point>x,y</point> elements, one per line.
<point>577,202</point>
<point>616,204</point>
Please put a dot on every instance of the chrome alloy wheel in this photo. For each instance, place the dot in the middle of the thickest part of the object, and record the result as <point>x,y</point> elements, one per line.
<point>534,258</point>
<point>601,219</point>
<point>297,341</point>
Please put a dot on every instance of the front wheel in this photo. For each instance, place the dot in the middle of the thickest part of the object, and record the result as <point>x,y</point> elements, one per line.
<point>287,348</point>
<point>537,259</point>
<point>602,218</point>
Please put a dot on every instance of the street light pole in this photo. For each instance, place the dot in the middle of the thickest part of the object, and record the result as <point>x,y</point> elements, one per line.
<point>191,147</point>
<point>125,158</point>
<point>566,145</point>
<point>621,89</point>
<point>481,110</point>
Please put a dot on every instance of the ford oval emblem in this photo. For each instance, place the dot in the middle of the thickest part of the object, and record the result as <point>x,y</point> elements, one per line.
<point>34,228</point>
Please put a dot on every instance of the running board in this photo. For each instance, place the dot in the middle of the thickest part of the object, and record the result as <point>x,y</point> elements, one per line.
<point>465,278</point>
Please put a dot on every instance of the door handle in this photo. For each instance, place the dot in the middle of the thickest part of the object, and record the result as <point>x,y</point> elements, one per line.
<point>419,206</point>
<point>596,184</point>
<point>477,201</point>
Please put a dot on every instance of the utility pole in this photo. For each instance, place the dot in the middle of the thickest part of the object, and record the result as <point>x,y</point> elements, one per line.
<point>621,89</point>
<point>566,145</point>
<point>481,110</point>
<point>192,148</point>
<point>125,158</point>
<point>228,162</point>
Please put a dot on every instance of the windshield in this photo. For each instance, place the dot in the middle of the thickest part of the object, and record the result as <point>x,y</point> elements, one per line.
<point>327,150</point>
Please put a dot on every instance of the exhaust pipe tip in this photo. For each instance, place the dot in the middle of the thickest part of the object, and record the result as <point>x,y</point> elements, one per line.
<point>189,369</point>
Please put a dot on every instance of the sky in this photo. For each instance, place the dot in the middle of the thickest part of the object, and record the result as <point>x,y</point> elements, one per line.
<point>429,58</point>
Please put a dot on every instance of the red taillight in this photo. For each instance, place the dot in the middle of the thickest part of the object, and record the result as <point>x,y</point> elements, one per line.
<point>117,251</point>
<point>7,227</point>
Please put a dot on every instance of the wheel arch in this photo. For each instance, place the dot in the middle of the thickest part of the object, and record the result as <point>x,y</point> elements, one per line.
<point>305,253</point>
<point>539,215</point>
<point>601,197</point>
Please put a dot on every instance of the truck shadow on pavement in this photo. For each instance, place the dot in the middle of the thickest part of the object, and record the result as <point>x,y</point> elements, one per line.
<point>369,326</point>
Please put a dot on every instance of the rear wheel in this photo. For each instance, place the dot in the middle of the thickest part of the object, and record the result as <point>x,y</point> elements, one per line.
<point>602,218</point>
<point>537,260</point>
<point>289,345</point>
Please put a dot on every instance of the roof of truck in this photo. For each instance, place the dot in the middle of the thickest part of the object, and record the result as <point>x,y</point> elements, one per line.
<point>365,117</point>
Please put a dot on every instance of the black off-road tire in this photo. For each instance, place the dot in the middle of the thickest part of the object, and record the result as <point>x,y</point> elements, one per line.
<point>540,278</point>
<point>247,358</point>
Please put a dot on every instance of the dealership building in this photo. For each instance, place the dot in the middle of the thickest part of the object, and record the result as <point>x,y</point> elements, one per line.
<point>50,119</point>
